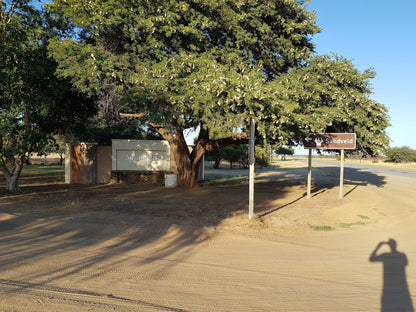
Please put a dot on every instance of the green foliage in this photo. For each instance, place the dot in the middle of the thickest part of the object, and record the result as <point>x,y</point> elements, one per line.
<point>185,63</point>
<point>105,126</point>
<point>331,95</point>
<point>284,151</point>
<point>348,225</point>
<point>236,153</point>
<point>262,155</point>
<point>400,154</point>
<point>214,65</point>
<point>325,228</point>
<point>239,154</point>
<point>34,104</point>
<point>216,156</point>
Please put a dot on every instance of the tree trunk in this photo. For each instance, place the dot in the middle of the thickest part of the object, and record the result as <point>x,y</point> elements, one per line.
<point>188,162</point>
<point>12,177</point>
<point>61,159</point>
<point>185,162</point>
<point>12,185</point>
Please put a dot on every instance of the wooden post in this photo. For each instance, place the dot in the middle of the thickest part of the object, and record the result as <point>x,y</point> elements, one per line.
<point>309,173</point>
<point>203,168</point>
<point>341,176</point>
<point>251,171</point>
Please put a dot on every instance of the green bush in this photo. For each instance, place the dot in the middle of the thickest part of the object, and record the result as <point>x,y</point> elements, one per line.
<point>239,154</point>
<point>285,151</point>
<point>400,154</point>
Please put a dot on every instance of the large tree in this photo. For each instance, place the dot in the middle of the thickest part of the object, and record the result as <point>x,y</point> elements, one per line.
<point>34,104</point>
<point>187,64</point>
<point>330,94</point>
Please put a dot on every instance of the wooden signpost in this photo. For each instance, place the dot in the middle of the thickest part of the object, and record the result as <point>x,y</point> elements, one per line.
<point>329,141</point>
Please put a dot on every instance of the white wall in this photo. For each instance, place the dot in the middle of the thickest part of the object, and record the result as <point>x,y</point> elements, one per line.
<point>140,155</point>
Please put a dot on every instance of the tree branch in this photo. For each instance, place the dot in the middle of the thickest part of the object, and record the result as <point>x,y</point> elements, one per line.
<point>210,145</point>
<point>134,115</point>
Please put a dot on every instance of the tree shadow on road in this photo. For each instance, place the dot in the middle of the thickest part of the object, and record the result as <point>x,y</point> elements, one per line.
<point>330,176</point>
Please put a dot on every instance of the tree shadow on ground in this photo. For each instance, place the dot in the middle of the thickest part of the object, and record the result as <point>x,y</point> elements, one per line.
<point>54,233</point>
<point>84,229</point>
<point>352,176</point>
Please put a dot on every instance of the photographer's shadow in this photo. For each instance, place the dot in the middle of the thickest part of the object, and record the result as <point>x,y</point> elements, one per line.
<point>396,295</point>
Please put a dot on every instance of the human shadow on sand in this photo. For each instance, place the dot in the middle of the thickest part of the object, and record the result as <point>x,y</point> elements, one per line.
<point>396,295</point>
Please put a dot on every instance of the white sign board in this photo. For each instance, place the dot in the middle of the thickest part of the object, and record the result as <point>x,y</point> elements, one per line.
<point>140,155</point>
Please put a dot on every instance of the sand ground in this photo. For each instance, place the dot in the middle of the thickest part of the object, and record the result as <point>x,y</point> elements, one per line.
<point>123,247</point>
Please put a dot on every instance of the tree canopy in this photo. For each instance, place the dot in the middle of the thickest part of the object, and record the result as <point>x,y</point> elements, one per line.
<point>34,104</point>
<point>331,95</point>
<point>186,64</point>
<point>176,65</point>
<point>214,65</point>
<point>400,154</point>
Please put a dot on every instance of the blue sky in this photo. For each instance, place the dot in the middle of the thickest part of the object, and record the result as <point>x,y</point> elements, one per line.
<point>379,34</point>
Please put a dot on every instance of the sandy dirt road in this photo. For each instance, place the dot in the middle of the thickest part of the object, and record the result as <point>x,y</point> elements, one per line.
<point>125,249</point>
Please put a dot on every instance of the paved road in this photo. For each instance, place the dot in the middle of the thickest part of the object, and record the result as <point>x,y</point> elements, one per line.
<point>373,169</point>
<point>328,172</point>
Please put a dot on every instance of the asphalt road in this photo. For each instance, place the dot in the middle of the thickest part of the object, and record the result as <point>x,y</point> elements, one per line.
<point>363,172</point>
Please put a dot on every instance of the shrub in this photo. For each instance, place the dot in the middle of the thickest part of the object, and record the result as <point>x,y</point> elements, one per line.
<point>400,154</point>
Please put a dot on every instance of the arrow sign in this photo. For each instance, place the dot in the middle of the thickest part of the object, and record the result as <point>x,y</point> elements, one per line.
<point>335,141</point>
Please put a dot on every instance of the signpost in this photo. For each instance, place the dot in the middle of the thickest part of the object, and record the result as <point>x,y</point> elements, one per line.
<point>335,141</point>
<point>329,141</point>
<point>251,158</point>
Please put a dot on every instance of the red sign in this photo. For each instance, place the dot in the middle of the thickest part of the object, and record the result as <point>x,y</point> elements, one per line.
<point>330,141</point>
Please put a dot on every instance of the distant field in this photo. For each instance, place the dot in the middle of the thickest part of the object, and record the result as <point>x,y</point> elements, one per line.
<point>51,159</point>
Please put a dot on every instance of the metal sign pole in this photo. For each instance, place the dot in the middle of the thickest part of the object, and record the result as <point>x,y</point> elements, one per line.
<point>341,176</point>
<point>309,173</point>
<point>251,171</point>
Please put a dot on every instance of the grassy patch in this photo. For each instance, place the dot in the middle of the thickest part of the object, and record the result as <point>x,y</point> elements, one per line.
<point>42,170</point>
<point>44,167</point>
<point>322,228</point>
<point>288,163</point>
<point>363,217</point>
<point>348,225</point>
<point>220,180</point>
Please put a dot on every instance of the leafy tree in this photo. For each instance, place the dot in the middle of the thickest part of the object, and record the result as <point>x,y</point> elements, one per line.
<point>216,156</point>
<point>400,154</point>
<point>331,95</point>
<point>238,153</point>
<point>262,156</point>
<point>235,153</point>
<point>107,125</point>
<point>284,151</point>
<point>187,64</point>
<point>56,144</point>
<point>34,104</point>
